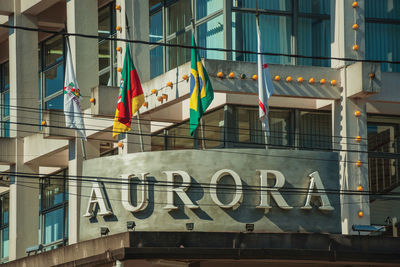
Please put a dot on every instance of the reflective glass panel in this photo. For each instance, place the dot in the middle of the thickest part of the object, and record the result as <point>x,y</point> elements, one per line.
<point>54,80</point>
<point>104,54</point>
<point>53,50</point>
<point>315,6</point>
<point>6,73</point>
<point>282,5</point>
<point>213,124</point>
<point>156,27</point>
<point>207,7</point>
<point>382,42</point>
<point>276,34</point>
<point>315,130</point>
<point>53,192</point>
<point>178,16</point>
<point>179,137</point>
<point>5,243</point>
<point>178,56</point>
<point>5,209</point>
<point>211,35</point>
<point>314,39</point>
<point>156,61</point>
<point>384,9</point>
<point>6,105</point>
<point>53,225</point>
<point>104,21</point>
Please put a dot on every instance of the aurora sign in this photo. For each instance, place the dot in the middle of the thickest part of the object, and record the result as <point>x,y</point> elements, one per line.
<point>276,190</point>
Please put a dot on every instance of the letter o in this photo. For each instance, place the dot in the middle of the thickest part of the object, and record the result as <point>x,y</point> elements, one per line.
<point>213,188</point>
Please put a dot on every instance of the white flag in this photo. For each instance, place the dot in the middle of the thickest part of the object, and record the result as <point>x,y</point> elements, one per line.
<point>72,96</point>
<point>265,85</point>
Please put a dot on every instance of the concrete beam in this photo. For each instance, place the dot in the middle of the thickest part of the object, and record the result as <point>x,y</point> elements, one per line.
<point>6,7</point>
<point>389,89</point>
<point>37,148</point>
<point>34,7</point>
<point>358,80</point>
<point>7,151</point>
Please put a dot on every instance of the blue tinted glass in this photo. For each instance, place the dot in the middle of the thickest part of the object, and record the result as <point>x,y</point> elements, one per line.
<point>5,209</point>
<point>56,103</point>
<point>382,42</point>
<point>384,9</point>
<point>283,5</point>
<point>54,80</point>
<point>211,35</point>
<point>6,104</point>
<point>314,40</point>
<point>156,27</point>
<point>315,6</point>
<point>5,243</point>
<point>53,226</point>
<point>7,129</point>
<point>276,34</point>
<point>156,61</point>
<point>207,7</point>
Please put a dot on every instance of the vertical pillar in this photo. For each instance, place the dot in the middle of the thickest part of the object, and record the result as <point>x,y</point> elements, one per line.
<point>347,125</point>
<point>227,8</point>
<point>75,160</point>
<point>23,60</point>
<point>24,205</point>
<point>137,13</point>
<point>81,18</point>
<point>134,21</point>
<point>343,17</point>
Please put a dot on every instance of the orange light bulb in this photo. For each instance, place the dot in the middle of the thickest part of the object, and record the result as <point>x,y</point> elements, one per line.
<point>360,214</point>
<point>232,75</point>
<point>355,47</point>
<point>300,79</point>
<point>117,7</point>
<point>120,144</point>
<point>333,82</point>
<point>359,163</point>
<point>311,80</point>
<point>288,79</point>
<point>355,4</point>
<point>118,28</point>
<point>43,123</point>
<point>91,100</point>
<point>119,69</point>
<point>371,75</point>
<point>357,113</point>
<point>355,26</point>
<point>277,78</point>
<point>358,139</point>
<point>220,75</point>
<point>169,84</point>
<point>185,77</point>
<point>360,188</point>
<point>146,104</point>
<point>118,48</point>
<point>255,77</point>
<point>164,96</point>
<point>322,81</point>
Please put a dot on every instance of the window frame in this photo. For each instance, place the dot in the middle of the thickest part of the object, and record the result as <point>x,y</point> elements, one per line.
<point>43,212</point>
<point>2,225</point>
<point>4,89</point>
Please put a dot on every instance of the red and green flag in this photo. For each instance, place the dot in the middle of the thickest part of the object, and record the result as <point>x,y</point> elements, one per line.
<point>130,98</point>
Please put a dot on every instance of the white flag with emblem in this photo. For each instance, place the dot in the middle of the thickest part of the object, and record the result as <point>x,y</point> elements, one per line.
<point>265,85</point>
<point>72,96</point>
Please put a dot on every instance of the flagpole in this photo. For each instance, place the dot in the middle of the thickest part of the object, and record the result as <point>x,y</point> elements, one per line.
<point>264,126</point>
<point>76,133</point>
<point>203,141</point>
<point>138,112</point>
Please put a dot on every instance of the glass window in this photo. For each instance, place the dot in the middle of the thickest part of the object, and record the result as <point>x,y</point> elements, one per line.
<point>179,137</point>
<point>54,79</point>
<point>383,167</point>
<point>156,26</point>
<point>53,210</point>
<point>53,50</point>
<point>207,7</point>
<point>276,34</point>
<point>213,124</point>
<point>211,35</point>
<point>178,56</point>
<point>282,5</point>
<point>156,61</point>
<point>383,9</point>
<point>315,6</point>
<point>382,42</point>
<point>178,16</point>
<point>4,100</point>
<point>4,230</point>
<point>314,39</point>
<point>107,53</point>
<point>315,130</point>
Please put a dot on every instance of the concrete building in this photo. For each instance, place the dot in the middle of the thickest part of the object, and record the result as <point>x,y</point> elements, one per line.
<point>219,198</point>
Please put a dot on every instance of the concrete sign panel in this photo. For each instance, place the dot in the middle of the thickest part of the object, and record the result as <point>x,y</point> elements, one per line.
<point>215,190</point>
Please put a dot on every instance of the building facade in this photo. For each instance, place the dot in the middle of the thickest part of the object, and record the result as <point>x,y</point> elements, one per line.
<point>331,161</point>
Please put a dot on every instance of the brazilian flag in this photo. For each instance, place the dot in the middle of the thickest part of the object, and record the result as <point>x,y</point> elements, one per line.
<point>201,91</point>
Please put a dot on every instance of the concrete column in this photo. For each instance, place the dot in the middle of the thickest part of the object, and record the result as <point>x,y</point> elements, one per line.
<point>343,16</point>
<point>82,18</point>
<point>24,205</point>
<point>137,12</point>
<point>23,60</point>
<point>348,126</point>
<point>92,149</point>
